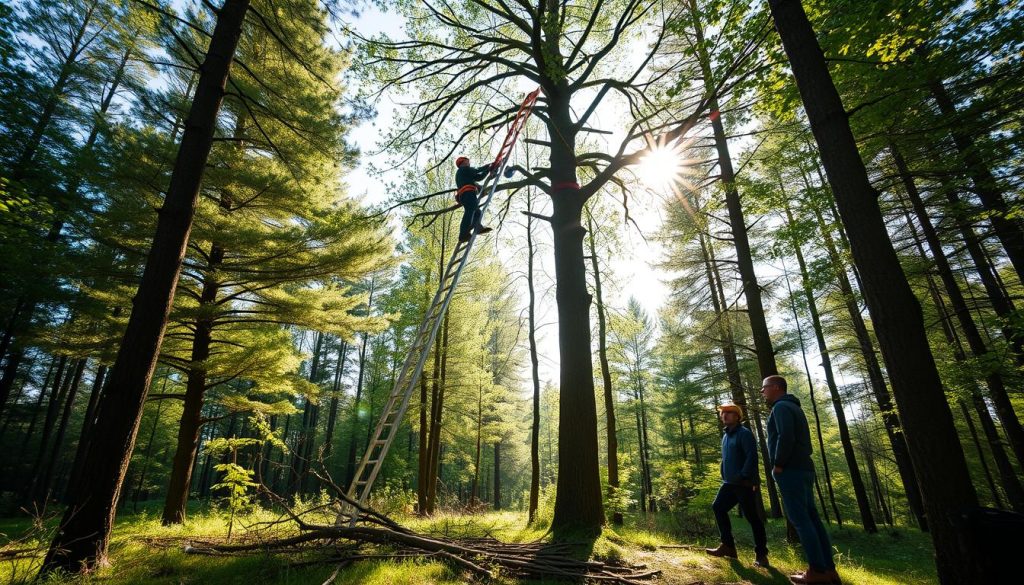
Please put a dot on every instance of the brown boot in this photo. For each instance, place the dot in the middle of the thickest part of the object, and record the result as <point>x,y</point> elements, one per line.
<point>812,577</point>
<point>723,550</point>
<point>834,575</point>
<point>762,561</point>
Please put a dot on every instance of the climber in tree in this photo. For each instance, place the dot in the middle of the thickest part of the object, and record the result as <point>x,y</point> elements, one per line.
<point>468,196</point>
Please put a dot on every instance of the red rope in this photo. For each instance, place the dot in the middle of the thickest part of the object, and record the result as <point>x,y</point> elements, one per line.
<point>567,185</point>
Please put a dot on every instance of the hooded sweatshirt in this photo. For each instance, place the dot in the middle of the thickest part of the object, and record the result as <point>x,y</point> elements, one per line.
<point>789,437</point>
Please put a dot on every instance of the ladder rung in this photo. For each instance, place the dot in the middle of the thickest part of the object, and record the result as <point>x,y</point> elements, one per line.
<point>374,462</point>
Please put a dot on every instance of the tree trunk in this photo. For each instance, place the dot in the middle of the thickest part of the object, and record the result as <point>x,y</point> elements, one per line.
<point>606,376</point>
<point>578,504</point>
<point>859,491</point>
<point>993,379</point>
<point>875,377</point>
<point>85,435</point>
<point>814,406</point>
<point>696,442</point>
<point>332,414</point>
<point>646,444</point>
<point>303,457</point>
<point>474,492</point>
<point>732,367</point>
<point>45,483</point>
<point>422,453</point>
<point>497,475</point>
<point>59,395</point>
<point>55,386</point>
<point>994,287</point>
<point>434,446</point>
<point>821,499</point>
<point>981,455</point>
<point>1010,481</point>
<point>535,378</point>
<point>927,421</point>
<point>354,430</point>
<point>147,454</point>
<point>773,494</point>
<point>985,184</point>
<point>82,542</point>
<point>195,390</point>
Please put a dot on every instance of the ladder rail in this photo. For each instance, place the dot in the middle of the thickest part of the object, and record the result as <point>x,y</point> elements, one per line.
<point>405,383</point>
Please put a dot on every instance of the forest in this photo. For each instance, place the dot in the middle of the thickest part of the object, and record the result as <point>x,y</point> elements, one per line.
<point>251,332</point>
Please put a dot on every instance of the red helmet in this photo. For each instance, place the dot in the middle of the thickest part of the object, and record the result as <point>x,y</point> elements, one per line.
<point>462,160</point>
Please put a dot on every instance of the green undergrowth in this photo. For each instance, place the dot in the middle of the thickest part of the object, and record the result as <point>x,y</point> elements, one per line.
<point>145,553</point>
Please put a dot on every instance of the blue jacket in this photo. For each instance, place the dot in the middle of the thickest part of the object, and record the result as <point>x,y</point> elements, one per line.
<point>789,437</point>
<point>739,456</point>
<point>467,175</point>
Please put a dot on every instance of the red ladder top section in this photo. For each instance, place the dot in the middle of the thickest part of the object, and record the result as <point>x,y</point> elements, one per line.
<point>516,126</point>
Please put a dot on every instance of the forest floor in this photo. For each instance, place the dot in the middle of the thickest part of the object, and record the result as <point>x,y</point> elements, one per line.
<point>145,553</point>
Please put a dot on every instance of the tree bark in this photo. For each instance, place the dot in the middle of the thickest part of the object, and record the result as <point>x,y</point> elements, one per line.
<point>578,504</point>
<point>82,542</point>
<point>927,421</point>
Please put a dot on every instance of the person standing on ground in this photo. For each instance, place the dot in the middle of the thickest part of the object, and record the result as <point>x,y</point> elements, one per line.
<point>789,449</point>
<point>468,197</point>
<point>740,482</point>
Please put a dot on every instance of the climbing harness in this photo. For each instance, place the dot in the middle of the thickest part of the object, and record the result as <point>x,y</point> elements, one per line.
<point>463,189</point>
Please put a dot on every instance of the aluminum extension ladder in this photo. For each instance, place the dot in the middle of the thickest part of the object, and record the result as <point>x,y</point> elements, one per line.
<point>405,384</point>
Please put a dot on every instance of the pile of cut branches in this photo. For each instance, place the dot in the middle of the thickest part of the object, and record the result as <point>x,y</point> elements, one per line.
<point>376,536</point>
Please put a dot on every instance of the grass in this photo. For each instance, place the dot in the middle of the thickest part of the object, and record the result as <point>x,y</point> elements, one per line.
<point>141,553</point>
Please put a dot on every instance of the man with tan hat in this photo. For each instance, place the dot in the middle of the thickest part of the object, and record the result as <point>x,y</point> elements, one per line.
<point>740,482</point>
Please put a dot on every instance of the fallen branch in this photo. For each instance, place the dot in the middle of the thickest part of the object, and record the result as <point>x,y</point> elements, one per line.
<point>481,557</point>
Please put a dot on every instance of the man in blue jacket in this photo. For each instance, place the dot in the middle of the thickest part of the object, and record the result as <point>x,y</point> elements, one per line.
<point>468,196</point>
<point>740,481</point>
<point>789,449</point>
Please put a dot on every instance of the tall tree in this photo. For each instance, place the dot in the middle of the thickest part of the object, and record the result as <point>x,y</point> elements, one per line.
<point>567,52</point>
<point>85,528</point>
<point>928,422</point>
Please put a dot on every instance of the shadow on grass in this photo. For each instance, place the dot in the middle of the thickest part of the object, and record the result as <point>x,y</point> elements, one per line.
<point>758,576</point>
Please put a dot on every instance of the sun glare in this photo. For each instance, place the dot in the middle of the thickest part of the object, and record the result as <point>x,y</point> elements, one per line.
<point>662,168</point>
<point>659,168</point>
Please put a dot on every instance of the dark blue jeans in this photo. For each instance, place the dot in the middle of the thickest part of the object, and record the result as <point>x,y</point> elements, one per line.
<point>471,215</point>
<point>728,496</point>
<point>796,487</point>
